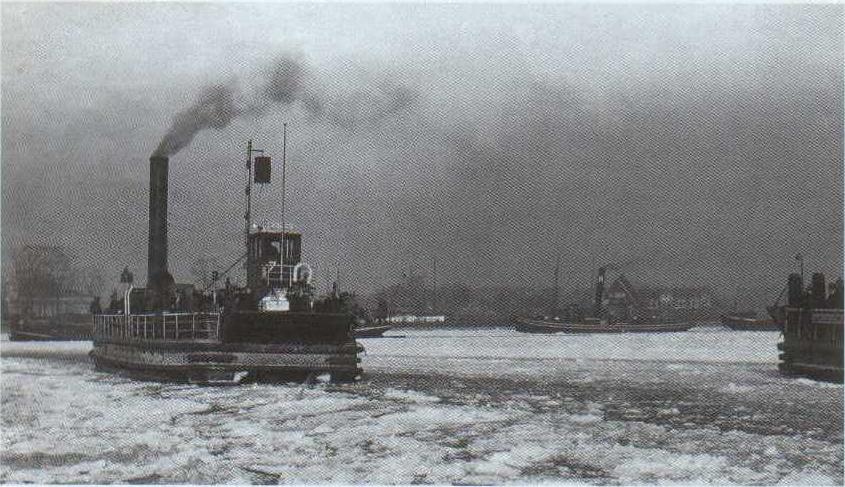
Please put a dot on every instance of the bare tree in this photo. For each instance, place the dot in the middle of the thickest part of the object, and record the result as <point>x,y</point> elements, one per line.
<point>89,281</point>
<point>41,271</point>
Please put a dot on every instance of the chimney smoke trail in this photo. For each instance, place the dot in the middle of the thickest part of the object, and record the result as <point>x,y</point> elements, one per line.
<point>285,82</point>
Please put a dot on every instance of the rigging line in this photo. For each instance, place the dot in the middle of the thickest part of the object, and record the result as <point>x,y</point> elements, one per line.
<point>777,301</point>
<point>227,270</point>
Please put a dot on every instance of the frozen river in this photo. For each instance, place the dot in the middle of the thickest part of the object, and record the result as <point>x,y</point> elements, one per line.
<point>439,406</point>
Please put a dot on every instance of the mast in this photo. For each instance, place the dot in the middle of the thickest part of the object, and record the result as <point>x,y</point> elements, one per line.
<point>247,215</point>
<point>284,150</point>
<point>557,286</point>
<point>284,230</point>
<point>434,284</point>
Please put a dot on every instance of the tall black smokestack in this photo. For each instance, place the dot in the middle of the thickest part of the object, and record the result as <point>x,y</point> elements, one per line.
<point>157,251</point>
<point>159,281</point>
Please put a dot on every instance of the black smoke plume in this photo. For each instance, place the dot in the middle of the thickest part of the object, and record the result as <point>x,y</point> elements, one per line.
<point>285,82</point>
<point>215,107</point>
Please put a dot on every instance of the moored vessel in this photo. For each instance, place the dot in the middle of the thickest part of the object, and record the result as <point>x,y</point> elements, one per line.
<point>374,331</point>
<point>749,322</point>
<point>62,327</point>
<point>811,343</point>
<point>595,325</point>
<point>270,329</point>
<point>570,322</point>
<point>42,299</point>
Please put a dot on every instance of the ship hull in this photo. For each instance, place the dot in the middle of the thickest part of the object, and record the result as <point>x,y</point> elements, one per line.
<point>204,349</point>
<point>546,327</point>
<point>812,344</point>
<point>227,364</point>
<point>740,323</point>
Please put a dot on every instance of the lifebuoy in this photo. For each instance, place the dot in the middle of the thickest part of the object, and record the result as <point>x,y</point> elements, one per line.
<point>307,274</point>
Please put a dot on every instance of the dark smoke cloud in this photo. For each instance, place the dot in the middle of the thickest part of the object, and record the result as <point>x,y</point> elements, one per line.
<point>285,79</point>
<point>285,82</point>
<point>362,107</point>
<point>215,107</point>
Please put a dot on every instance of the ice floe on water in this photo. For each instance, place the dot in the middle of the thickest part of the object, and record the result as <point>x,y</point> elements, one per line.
<point>431,411</point>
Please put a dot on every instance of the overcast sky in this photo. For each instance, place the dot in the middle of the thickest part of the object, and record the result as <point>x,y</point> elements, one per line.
<point>694,144</point>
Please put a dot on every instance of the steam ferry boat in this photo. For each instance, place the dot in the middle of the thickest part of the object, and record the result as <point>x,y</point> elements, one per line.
<point>271,329</point>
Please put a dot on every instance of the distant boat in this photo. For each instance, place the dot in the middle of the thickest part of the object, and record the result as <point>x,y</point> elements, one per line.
<point>595,324</point>
<point>411,319</point>
<point>748,321</point>
<point>371,331</point>
<point>744,322</point>
<point>65,326</point>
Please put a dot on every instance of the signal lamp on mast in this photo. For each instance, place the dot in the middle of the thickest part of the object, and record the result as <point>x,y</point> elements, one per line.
<point>262,170</point>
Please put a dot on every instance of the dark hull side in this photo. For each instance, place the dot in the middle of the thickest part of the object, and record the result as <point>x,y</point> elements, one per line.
<point>812,344</point>
<point>287,327</point>
<point>227,364</point>
<point>65,327</point>
<point>545,327</point>
<point>371,331</point>
<point>739,323</point>
<point>267,347</point>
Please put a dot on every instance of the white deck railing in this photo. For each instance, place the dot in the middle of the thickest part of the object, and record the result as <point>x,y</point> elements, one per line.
<point>160,327</point>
